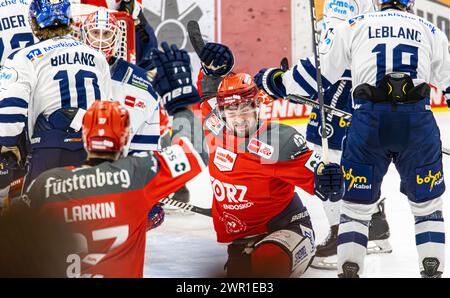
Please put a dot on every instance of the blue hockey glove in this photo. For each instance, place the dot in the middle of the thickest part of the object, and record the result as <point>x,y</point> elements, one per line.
<point>217,59</point>
<point>127,6</point>
<point>173,80</point>
<point>447,96</point>
<point>329,182</point>
<point>155,217</point>
<point>270,81</point>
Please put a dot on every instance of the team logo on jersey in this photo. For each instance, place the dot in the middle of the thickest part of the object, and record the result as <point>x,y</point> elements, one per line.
<point>224,159</point>
<point>261,149</point>
<point>34,54</point>
<point>214,124</point>
<point>7,76</point>
<point>353,21</point>
<point>233,225</point>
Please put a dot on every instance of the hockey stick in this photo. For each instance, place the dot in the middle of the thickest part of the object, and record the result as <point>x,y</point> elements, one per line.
<point>185,206</point>
<point>316,38</point>
<point>331,110</point>
<point>195,36</point>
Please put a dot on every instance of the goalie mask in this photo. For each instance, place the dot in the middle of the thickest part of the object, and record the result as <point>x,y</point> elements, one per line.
<point>238,103</point>
<point>101,32</point>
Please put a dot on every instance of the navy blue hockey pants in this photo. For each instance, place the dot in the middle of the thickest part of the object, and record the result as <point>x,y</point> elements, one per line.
<point>405,134</point>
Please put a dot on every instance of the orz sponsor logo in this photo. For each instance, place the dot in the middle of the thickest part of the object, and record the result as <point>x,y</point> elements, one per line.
<point>231,192</point>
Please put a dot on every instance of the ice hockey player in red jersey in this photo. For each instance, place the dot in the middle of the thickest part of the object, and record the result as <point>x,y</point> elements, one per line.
<point>106,201</point>
<point>254,168</point>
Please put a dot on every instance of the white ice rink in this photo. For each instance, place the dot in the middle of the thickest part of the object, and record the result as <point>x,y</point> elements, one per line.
<point>185,246</point>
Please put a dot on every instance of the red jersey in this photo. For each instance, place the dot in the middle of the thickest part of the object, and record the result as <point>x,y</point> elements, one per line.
<point>106,206</point>
<point>253,179</point>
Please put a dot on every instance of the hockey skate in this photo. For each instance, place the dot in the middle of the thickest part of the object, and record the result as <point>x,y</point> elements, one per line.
<point>181,195</point>
<point>378,241</point>
<point>379,232</point>
<point>349,270</point>
<point>430,266</point>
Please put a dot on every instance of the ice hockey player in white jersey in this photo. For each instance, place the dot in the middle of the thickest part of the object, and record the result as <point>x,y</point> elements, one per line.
<point>48,87</point>
<point>15,30</point>
<point>393,56</point>
<point>130,85</point>
<point>338,96</point>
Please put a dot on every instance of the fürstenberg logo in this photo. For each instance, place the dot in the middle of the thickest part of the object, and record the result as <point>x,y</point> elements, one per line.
<point>54,186</point>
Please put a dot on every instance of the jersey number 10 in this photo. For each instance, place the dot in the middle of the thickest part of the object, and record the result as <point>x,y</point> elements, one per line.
<point>63,77</point>
<point>397,63</point>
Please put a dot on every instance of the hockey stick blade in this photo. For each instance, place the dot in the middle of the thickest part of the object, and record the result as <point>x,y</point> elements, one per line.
<point>195,36</point>
<point>185,206</point>
<point>446,151</point>
<point>314,104</point>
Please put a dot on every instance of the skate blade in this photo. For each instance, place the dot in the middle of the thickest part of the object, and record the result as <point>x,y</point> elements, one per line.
<point>169,210</point>
<point>379,247</point>
<point>324,263</point>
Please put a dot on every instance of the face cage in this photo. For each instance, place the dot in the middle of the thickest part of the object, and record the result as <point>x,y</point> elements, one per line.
<point>107,46</point>
<point>221,109</point>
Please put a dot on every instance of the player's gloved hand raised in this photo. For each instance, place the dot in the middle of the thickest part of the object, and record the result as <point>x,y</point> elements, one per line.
<point>127,6</point>
<point>270,81</point>
<point>217,59</point>
<point>329,181</point>
<point>155,217</point>
<point>172,79</point>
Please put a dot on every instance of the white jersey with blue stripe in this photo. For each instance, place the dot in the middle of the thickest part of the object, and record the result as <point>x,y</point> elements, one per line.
<point>337,11</point>
<point>53,74</point>
<point>372,45</point>
<point>15,30</point>
<point>134,91</point>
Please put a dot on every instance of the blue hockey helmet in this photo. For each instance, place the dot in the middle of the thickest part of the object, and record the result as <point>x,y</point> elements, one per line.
<point>50,12</point>
<point>405,3</point>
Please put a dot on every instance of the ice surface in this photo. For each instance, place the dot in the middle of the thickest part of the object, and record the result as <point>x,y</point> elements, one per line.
<point>185,246</point>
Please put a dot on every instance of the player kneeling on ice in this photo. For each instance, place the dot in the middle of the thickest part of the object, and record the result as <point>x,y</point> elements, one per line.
<point>105,202</point>
<point>393,56</point>
<point>254,168</point>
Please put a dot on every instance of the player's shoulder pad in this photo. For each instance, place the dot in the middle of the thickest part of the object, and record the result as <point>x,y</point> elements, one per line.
<point>128,73</point>
<point>279,142</point>
<point>292,143</point>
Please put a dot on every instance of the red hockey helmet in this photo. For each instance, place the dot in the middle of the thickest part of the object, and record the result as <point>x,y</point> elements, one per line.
<point>235,89</point>
<point>106,127</point>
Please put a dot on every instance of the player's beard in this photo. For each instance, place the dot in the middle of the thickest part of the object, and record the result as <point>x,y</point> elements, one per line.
<point>244,127</point>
